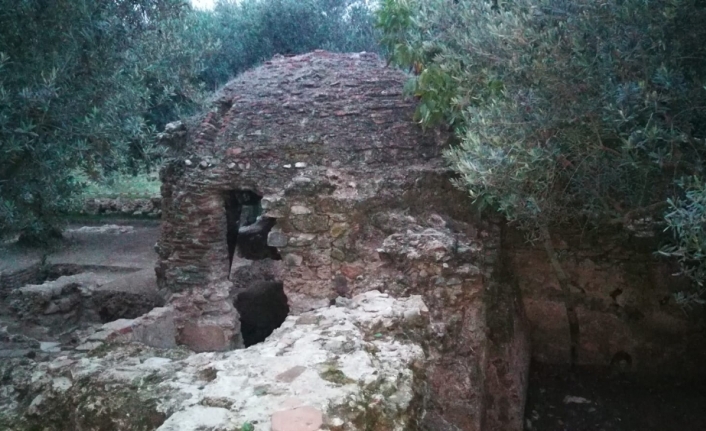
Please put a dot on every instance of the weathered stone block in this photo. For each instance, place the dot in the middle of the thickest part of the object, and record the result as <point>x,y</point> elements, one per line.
<point>205,337</point>
<point>338,254</point>
<point>310,223</point>
<point>277,239</point>
<point>339,229</point>
<point>304,418</point>
<point>156,329</point>
<point>351,271</point>
<point>302,239</point>
<point>299,210</point>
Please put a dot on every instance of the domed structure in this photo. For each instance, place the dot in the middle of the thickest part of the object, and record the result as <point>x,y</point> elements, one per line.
<point>309,139</point>
<point>309,182</point>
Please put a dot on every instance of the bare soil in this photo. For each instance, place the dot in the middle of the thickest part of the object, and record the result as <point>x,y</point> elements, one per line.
<point>604,401</point>
<point>116,257</point>
<point>131,250</point>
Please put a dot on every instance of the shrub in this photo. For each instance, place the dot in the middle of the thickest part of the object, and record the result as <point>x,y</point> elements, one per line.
<point>566,112</point>
<point>686,219</point>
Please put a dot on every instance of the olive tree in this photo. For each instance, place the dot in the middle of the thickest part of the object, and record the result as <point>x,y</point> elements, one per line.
<point>565,112</point>
<point>252,31</point>
<point>85,84</point>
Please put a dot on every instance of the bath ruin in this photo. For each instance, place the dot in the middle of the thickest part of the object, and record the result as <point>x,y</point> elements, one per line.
<point>351,195</point>
<point>309,227</point>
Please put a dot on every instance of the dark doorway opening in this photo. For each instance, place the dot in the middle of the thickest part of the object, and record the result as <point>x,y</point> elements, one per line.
<point>263,308</point>
<point>247,229</point>
<point>252,267</point>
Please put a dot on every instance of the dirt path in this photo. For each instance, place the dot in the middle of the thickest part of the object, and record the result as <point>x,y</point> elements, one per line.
<point>131,248</point>
<point>112,262</point>
<point>131,245</point>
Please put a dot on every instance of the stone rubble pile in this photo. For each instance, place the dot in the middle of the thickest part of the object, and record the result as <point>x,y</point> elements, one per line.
<point>354,366</point>
<point>77,300</point>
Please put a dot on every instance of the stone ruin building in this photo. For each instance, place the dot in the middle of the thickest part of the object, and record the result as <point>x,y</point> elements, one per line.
<point>312,245</point>
<point>352,195</point>
<point>309,182</point>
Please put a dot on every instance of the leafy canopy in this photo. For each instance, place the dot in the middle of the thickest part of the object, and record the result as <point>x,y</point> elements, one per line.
<point>565,111</point>
<point>83,84</point>
<point>86,85</point>
<point>252,31</point>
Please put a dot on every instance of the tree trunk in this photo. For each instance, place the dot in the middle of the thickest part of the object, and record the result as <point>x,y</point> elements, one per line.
<point>564,284</point>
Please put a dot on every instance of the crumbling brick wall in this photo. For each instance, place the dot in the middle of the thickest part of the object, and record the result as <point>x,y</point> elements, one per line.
<point>361,200</point>
<point>278,131</point>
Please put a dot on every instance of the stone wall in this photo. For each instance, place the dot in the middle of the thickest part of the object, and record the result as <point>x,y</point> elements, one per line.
<point>338,239</point>
<point>14,279</point>
<point>123,206</point>
<point>625,303</point>
<point>280,132</point>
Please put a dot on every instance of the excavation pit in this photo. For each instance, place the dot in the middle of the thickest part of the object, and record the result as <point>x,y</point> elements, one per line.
<point>262,308</point>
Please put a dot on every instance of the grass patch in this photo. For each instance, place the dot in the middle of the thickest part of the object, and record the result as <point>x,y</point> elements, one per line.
<point>146,185</point>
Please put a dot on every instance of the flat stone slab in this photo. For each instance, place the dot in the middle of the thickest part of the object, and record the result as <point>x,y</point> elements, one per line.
<point>85,347</point>
<point>50,347</point>
<point>104,229</point>
<point>305,418</point>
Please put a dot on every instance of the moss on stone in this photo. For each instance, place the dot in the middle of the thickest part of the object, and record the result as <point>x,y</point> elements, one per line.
<point>101,351</point>
<point>367,412</point>
<point>331,373</point>
<point>91,406</point>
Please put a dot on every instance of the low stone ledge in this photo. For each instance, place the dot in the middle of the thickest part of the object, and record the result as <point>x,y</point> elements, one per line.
<point>81,298</point>
<point>13,279</point>
<point>350,367</point>
<point>123,206</point>
<point>154,329</point>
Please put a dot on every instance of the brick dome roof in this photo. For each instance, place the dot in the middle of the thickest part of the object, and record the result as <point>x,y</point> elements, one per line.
<point>313,105</point>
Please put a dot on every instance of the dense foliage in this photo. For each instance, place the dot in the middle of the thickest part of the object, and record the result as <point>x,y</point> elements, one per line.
<point>566,112</point>
<point>86,85</point>
<point>81,83</point>
<point>687,220</point>
<point>251,31</point>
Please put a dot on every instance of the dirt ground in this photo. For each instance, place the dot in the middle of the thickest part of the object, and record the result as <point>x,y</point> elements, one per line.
<point>117,256</point>
<point>131,249</point>
<point>596,400</point>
